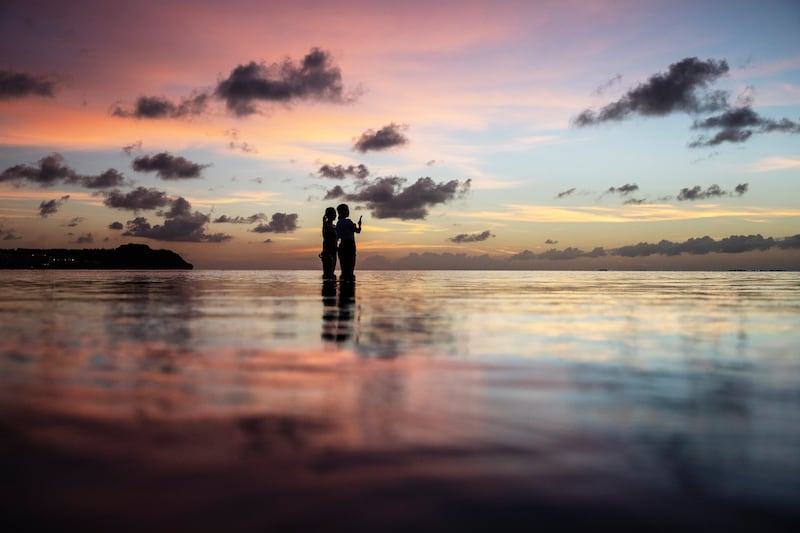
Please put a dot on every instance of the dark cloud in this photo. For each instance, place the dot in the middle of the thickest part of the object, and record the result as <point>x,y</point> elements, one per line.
<point>553,254</point>
<point>186,229</point>
<point>550,241</point>
<point>86,238</point>
<point>602,88</point>
<point>697,193</point>
<point>623,190</point>
<point>280,223</point>
<point>225,219</point>
<point>387,197</point>
<point>525,255</point>
<point>316,77</point>
<point>50,207</point>
<point>744,243</point>
<point>699,246</point>
<point>738,125</point>
<point>336,192</point>
<point>130,148</point>
<point>685,88</point>
<point>713,191</point>
<point>154,107</point>
<point>313,78</point>
<point>677,90</point>
<point>116,226</point>
<point>598,251</point>
<point>340,172</point>
<point>74,222</point>
<point>634,201</point>
<point>21,85</point>
<point>137,199</point>
<point>564,194</point>
<point>10,235</point>
<point>566,253</point>
<point>106,180</point>
<point>663,248</point>
<point>177,208</point>
<point>51,170</point>
<point>168,166</point>
<point>788,243</point>
<point>472,237</point>
<point>694,246</point>
<point>385,138</point>
<point>7,233</point>
<point>180,224</point>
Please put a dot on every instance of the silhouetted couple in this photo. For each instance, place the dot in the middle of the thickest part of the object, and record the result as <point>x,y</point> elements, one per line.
<point>343,233</point>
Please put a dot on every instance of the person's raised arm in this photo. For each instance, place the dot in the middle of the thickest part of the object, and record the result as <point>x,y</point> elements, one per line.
<point>358,228</point>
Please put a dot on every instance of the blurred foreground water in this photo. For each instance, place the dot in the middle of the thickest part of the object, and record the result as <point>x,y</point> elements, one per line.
<point>264,400</point>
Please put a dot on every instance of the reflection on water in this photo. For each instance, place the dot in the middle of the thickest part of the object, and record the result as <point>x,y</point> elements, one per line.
<point>252,400</point>
<point>337,317</point>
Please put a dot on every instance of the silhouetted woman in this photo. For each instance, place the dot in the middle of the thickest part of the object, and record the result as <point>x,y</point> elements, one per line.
<point>329,237</point>
<point>346,230</point>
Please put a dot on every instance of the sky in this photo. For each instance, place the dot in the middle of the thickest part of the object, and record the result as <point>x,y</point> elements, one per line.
<point>467,134</point>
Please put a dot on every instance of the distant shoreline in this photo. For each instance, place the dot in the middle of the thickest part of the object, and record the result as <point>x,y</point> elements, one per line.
<point>127,256</point>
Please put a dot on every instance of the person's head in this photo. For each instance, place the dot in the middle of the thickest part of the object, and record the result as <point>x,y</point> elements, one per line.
<point>330,213</point>
<point>343,210</point>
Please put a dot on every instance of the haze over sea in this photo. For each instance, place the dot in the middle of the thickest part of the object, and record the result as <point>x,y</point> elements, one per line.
<point>269,400</point>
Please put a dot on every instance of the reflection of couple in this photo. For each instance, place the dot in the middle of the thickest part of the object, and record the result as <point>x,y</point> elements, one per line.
<point>344,231</point>
<point>337,316</point>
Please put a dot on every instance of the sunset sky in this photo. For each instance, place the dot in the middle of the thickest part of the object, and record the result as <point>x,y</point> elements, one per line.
<point>477,134</point>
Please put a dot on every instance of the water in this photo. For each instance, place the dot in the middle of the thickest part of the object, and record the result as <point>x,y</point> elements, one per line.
<point>252,400</point>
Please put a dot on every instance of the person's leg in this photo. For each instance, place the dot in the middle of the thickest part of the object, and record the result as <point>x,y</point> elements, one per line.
<point>328,264</point>
<point>342,261</point>
<point>347,258</point>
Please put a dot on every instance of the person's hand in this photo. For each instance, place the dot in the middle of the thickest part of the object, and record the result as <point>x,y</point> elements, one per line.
<point>359,220</point>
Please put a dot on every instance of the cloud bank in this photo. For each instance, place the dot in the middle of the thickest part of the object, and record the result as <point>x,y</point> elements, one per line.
<point>693,246</point>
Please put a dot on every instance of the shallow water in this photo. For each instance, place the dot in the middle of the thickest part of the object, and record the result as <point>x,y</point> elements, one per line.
<point>264,399</point>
